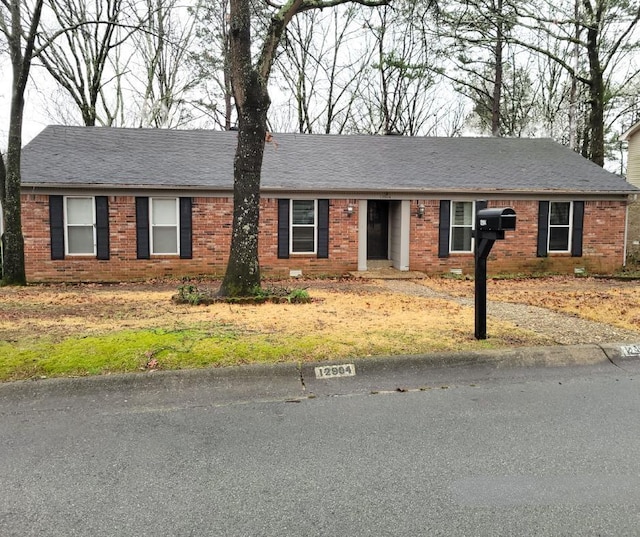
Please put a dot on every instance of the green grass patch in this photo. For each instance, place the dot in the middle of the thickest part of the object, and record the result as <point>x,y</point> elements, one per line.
<point>117,352</point>
<point>197,347</point>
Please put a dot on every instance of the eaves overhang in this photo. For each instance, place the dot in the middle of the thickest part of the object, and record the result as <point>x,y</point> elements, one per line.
<point>624,137</point>
<point>391,193</point>
<point>438,192</point>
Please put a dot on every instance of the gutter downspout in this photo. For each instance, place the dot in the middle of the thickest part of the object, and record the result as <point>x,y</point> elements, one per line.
<point>626,229</point>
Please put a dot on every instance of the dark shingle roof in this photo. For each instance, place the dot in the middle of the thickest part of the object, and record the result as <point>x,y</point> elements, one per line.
<point>202,159</point>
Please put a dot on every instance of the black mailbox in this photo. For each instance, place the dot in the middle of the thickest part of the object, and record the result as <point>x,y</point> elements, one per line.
<point>496,219</point>
<point>491,225</point>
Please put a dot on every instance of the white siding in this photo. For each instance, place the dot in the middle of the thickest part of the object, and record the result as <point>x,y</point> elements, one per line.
<point>362,235</point>
<point>633,160</point>
<point>399,234</point>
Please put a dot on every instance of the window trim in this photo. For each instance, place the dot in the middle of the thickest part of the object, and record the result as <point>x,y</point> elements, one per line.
<point>568,226</point>
<point>152,226</point>
<point>453,226</point>
<point>292,225</point>
<point>66,225</point>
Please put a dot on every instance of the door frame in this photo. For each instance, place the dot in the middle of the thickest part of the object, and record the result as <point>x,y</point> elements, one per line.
<point>380,237</point>
<point>404,207</point>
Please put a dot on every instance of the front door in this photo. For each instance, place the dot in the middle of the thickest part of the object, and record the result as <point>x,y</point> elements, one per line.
<point>377,229</point>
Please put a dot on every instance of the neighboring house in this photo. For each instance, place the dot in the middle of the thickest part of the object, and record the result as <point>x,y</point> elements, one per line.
<point>106,204</point>
<point>632,137</point>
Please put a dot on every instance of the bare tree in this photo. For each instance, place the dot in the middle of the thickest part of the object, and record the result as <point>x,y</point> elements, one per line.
<point>19,24</point>
<point>323,66</point>
<point>399,99</point>
<point>603,32</point>
<point>249,80</point>
<point>210,63</point>
<point>82,60</point>
<point>164,44</point>
<point>519,97</point>
<point>474,35</point>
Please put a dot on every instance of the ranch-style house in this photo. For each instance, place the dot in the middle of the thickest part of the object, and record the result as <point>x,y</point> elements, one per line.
<point>111,204</point>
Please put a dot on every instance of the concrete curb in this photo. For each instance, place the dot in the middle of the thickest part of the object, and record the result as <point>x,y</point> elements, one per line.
<point>622,354</point>
<point>499,358</point>
<point>263,380</point>
<point>297,380</point>
<point>418,372</point>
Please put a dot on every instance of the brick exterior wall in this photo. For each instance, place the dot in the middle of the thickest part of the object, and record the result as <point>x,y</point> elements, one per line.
<point>603,244</point>
<point>211,227</point>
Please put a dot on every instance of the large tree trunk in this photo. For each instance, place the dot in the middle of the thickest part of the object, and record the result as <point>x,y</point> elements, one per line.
<point>3,177</point>
<point>596,115</point>
<point>596,121</point>
<point>249,83</point>
<point>596,94</point>
<point>573,93</point>
<point>13,267</point>
<point>242,277</point>
<point>496,98</point>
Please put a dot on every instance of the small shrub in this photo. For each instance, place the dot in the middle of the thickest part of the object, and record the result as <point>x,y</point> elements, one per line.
<point>190,294</point>
<point>299,296</point>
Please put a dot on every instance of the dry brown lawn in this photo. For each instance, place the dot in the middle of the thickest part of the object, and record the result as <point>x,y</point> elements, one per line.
<point>609,301</point>
<point>354,307</point>
<point>61,330</point>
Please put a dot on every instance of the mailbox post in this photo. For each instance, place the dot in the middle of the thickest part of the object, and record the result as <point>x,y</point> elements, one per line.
<point>490,227</point>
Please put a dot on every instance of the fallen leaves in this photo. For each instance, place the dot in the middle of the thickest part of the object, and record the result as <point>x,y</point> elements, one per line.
<point>608,301</point>
<point>353,308</point>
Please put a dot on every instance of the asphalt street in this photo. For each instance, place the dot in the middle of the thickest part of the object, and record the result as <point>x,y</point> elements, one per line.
<point>458,451</point>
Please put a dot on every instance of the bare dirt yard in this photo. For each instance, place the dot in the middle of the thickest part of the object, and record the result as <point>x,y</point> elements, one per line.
<point>62,330</point>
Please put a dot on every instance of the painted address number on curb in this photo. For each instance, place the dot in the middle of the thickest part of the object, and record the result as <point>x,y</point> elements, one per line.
<point>334,371</point>
<point>630,350</point>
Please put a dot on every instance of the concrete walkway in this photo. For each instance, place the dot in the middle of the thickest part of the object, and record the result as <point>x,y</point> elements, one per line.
<point>561,328</point>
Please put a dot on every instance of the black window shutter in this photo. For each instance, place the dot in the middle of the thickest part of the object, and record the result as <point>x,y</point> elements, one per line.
<point>56,224</point>
<point>283,229</point>
<point>480,204</point>
<point>102,226</point>
<point>185,229</point>
<point>323,229</point>
<point>142,228</point>
<point>543,228</point>
<point>444,228</point>
<point>578,223</point>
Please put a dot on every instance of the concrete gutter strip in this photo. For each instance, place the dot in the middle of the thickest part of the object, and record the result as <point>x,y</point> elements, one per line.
<point>402,373</point>
<point>520,357</point>
<point>298,380</point>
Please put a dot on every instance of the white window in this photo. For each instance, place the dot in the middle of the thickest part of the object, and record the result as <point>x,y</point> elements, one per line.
<point>560,216</point>
<point>304,226</point>
<point>461,226</point>
<point>80,229</point>
<point>163,213</point>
